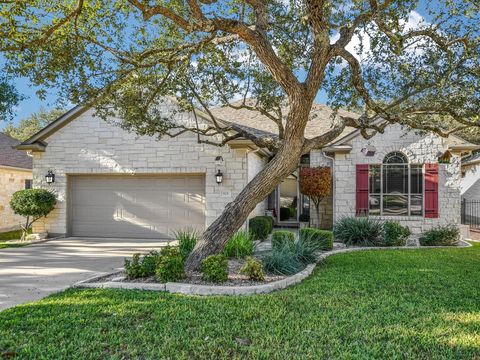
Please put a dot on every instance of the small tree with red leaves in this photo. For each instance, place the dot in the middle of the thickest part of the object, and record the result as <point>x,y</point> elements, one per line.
<point>316,183</point>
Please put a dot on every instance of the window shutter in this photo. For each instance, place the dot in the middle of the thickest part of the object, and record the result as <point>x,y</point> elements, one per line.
<point>431,190</point>
<point>362,190</point>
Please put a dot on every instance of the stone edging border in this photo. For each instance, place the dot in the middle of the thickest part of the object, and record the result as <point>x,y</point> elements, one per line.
<point>206,290</point>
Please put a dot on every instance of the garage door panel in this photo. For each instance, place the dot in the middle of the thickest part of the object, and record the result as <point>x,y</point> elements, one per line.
<point>134,206</point>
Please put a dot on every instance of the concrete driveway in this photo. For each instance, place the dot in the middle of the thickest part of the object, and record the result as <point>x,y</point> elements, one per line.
<point>33,272</point>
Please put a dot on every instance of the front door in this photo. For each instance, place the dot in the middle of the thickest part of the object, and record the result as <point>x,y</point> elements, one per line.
<point>288,196</point>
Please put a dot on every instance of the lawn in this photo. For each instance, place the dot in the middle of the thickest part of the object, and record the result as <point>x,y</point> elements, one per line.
<point>11,235</point>
<point>398,304</point>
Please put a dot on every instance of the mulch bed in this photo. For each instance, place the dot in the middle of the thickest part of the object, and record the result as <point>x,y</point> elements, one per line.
<point>235,278</point>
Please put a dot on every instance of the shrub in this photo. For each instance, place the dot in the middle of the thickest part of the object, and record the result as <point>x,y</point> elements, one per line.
<point>323,238</point>
<point>282,237</point>
<point>133,268</point>
<point>215,268</point>
<point>305,250</point>
<point>170,265</point>
<point>448,235</point>
<point>240,245</point>
<point>253,269</point>
<point>140,267</point>
<point>395,234</point>
<point>32,204</point>
<point>187,238</point>
<point>282,261</point>
<point>360,231</point>
<point>260,227</point>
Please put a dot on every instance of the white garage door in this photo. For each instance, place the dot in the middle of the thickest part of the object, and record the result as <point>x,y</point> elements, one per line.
<point>136,206</point>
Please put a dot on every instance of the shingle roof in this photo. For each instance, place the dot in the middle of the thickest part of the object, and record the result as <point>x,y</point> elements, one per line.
<point>319,123</point>
<point>12,157</point>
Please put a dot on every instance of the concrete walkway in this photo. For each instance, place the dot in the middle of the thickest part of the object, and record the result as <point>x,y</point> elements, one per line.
<point>33,272</point>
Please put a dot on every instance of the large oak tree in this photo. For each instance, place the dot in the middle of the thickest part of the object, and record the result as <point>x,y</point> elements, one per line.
<point>378,57</point>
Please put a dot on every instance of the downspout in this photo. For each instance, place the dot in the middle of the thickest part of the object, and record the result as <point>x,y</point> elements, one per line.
<point>333,180</point>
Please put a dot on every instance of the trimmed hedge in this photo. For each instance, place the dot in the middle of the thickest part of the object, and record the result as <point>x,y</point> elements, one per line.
<point>448,235</point>
<point>322,238</point>
<point>260,227</point>
<point>282,238</point>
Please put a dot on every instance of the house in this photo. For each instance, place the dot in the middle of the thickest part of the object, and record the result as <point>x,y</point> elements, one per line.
<point>112,183</point>
<point>15,174</point>
<point>470,191</point>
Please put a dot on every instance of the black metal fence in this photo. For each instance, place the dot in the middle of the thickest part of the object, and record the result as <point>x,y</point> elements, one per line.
<point>471,213</point>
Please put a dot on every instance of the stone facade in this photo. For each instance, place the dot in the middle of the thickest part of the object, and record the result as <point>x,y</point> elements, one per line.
<point>89,145</point>
<point>11,180</point>
<point>419,149</point>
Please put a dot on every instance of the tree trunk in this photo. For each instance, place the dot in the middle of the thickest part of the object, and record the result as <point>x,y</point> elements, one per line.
<point>319,216</point>
<point>235,214</point>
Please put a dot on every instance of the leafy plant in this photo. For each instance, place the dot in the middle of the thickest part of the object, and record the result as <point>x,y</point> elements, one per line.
<point>282,237</point>
<point>447,235</point>
<point>32,204</point>
<point>305,250</point>
<point>187,239</point>
<point>359,231</point>
<point>282,261</point>
<point>260,227</point>
<point>240,245</point>
<point>253,269</point>
<point>322,238</point>
<point>170,265</point>
<point>140,266</point>
<point>215,268</point>
<point>133,268</point>
<point>395,234</point>
<point>316,183</point>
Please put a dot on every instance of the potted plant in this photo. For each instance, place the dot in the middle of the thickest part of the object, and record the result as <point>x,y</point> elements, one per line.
<point>304,220</point>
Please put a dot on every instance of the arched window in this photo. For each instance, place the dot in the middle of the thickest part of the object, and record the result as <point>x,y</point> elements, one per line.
<point>395,157</point>
<point>396,187</point>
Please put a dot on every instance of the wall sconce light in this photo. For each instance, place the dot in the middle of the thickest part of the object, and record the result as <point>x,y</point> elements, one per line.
<point>219,177</point>
<point>50,177</point>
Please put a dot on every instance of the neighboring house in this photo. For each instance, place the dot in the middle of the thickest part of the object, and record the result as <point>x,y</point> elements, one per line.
<point>15,174</point>
<point>470,191</point>
<point>112,183</point>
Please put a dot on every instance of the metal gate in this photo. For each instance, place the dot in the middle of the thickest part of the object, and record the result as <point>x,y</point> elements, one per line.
<point>471,213</point>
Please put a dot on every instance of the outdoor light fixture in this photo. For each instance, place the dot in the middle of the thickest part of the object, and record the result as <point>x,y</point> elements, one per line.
<point>369,151</point>
<point>219,177</point>
<point>50,177</point>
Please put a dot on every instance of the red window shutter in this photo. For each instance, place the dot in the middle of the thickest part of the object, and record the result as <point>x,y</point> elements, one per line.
<point>431,190</point>
<point>362,190</point>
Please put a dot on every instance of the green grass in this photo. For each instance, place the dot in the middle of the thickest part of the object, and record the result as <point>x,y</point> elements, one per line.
<point>11,235</point>
<point>383,304</point>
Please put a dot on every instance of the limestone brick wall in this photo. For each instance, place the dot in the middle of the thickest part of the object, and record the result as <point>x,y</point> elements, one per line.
<point>89,145</point>
<point>419,149</point>
<point>11,180</point>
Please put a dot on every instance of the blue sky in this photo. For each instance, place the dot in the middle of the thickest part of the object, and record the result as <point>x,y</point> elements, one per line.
<point>32,103</point>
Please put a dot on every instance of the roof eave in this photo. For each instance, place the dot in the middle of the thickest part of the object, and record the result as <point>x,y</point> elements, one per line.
<point>464,147</point>
<point>338,149</point>
<point>38,146</point>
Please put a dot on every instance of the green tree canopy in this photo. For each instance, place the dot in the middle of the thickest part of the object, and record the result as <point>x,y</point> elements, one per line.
<point>32,124</point>
<point>9,98</point>
<point>380,57</point>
